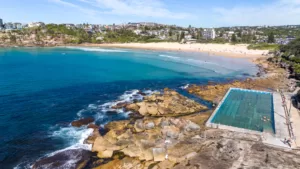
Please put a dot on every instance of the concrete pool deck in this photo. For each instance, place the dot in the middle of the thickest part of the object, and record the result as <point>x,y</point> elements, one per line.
<point>280,119</point>
<point>281,129</point>
<point>295,119</point>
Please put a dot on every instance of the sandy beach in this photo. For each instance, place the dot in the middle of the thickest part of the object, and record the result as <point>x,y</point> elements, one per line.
<point>228,50</point>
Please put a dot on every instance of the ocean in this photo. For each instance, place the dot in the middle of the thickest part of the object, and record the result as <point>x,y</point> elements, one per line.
<point>42,90</point>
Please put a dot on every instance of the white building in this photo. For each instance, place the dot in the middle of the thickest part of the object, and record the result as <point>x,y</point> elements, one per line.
<point>188,37</point>
<point>137,31</point>
<point>209,33</point>
<point>35,24</point>
<point>18,26</point>
<point>9,26</point>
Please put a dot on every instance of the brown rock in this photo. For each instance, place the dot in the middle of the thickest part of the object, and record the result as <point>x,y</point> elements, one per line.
<point>142,108</point>
<point>166,164</point>
<point>171,131</point>
<point>91,139</point>
<point>170,103</point>
<point>125,163</point>
<point>119,105</point>
<point>159,154</point>
<point>83,121</point>
<point>132,107</point>
<point>117,125</point>
<point>93,126</point>
<point>104,148</point>
<point>139,125</point>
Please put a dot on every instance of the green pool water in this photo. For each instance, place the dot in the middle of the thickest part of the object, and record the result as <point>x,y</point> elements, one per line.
<point>246,109</point>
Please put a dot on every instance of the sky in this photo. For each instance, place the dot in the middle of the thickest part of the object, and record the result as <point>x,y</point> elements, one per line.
<point>198,13</point>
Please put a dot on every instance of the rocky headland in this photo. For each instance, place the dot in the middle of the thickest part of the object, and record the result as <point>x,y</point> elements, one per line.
<point>166,130</point>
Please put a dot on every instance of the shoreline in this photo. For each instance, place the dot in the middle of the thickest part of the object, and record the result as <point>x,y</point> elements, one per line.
<point>225,50</point>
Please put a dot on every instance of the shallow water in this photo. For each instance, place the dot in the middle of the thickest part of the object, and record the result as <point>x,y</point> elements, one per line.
<point>42,90</point>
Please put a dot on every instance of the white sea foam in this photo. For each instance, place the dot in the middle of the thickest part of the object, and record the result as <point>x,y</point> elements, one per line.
<point>169,56</point>
<point>76,136</point>
<point>201,61</point>
<point>185,86</point>
<point>95,49</point>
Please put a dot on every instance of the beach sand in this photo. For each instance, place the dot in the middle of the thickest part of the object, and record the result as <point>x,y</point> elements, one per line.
<point>227,50</point>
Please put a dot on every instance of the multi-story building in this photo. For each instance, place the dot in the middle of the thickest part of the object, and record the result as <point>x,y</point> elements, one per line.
<point>17,25</point>
<point>9,26</point>
<point>209,33</point>
<point>1,23</point>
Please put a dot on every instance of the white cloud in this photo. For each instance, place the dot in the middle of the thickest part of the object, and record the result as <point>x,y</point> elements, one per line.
<point>143,8</point>
<point>87,11</point>
<point>280,12</point>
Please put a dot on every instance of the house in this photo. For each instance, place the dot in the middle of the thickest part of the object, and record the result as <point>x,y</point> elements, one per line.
<point>137,32</point>
<point>9,26</point>
<point>284,41</point>
<point>70,26</point>
<point>209,33</point>
<point>188,36</point>
<point>35,24</point>
<point>17,25</point>
<point>150,24</point>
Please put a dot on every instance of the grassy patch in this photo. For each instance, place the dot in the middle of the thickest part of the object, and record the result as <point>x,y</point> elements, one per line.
<point>263,46</point>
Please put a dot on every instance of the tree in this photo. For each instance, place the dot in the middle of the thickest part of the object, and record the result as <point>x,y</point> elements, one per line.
<point>199,35</point>
<point>239,34</point>
<point>233,38</point>
<point>221,34</point>
<point>182,35</point>
<point>271,38</point>
<point>170,33</point>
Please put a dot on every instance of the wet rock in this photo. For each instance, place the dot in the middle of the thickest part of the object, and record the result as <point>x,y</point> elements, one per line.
<point>119,105</point>
<point>91,139</point>
<point>82,122</point>
<point>93,126</point>
<point>71,159</point>
<point>141,93</point>
<point>135,115</point>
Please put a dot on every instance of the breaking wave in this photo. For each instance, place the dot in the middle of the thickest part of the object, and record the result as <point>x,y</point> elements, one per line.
<point>91,49</point>
<point>169,56</point>
<point>76,136</point>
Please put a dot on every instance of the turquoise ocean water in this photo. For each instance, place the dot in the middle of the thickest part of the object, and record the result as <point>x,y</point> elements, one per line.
<point>42,90</point>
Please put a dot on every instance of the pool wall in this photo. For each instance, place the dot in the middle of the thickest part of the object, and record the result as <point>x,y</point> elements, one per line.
<point>209,122</point>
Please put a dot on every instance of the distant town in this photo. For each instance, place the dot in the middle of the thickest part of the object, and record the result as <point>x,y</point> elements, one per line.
<point>161,32</point>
